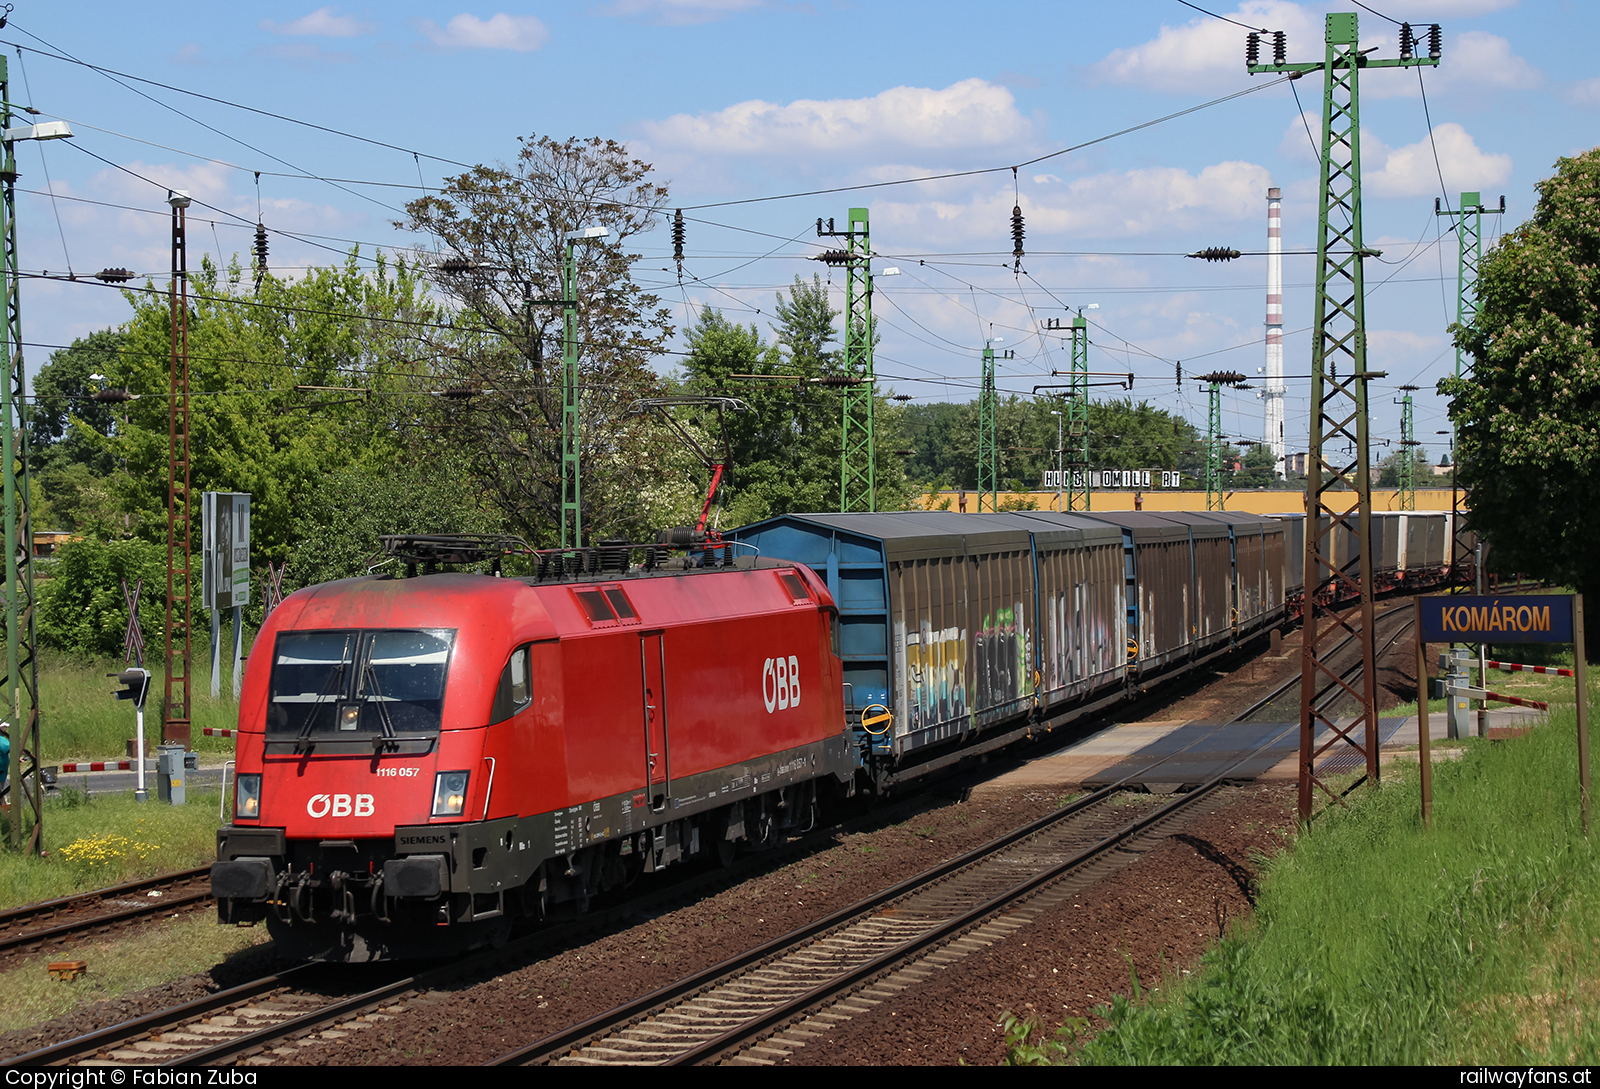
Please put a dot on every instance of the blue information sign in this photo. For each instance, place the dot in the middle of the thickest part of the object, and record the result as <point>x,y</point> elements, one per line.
<point>1528,618</point>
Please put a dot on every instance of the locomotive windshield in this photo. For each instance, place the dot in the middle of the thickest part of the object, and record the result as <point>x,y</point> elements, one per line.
<point>339,683</point>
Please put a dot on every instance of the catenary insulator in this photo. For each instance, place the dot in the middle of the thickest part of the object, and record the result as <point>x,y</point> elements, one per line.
<point>833,257</point>
<point>1435,42</point>
<point>1252,49</point>
<point>261,247</point>
<point>1216,253</point>
<point>111,396</point>
<point>114,275</point>
<point>839,380</point>
<point>1408,41</point>
<point>1016,234</point>
<point>677,239</point>
<point>1280,47</point>
<point>455,266</point>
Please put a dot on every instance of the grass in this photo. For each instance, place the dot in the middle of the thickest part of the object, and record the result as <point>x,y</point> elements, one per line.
<point>80,719</point>
<point>108,839</point>
<point>119,967</point>
<point>1377,941</point>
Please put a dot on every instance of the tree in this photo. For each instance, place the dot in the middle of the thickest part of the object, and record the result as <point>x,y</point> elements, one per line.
<point>289,384</point>
<point>1528,419</point>
<point>506,228</point>
<point>786,449</point>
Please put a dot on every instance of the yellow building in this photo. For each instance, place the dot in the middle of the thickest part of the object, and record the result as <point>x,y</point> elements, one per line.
<point>1158,499</point>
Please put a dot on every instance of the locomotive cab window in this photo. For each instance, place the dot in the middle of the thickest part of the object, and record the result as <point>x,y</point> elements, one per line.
<point>515,692</point>
<point>358,683</point>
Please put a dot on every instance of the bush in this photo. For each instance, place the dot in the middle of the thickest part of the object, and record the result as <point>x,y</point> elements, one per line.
<point>81,607</point>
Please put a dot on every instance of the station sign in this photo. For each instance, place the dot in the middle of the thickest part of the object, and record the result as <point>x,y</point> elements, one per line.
<point>225,578</point>
<point>1111,478</point>
<point>1524,618</point>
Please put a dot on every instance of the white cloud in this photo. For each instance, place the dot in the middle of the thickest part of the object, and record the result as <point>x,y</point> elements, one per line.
<point>971,114</point>
<point>1470,63</point>
<point>1207,54</point>
<point>1447,9</point>
<point>520,33</point>
<point>322,23</point>
<point>681,12</point>
<point>1583,93</point>
<point>1300,138</point>
<point>1410,171</point>
<point>1117,204</point>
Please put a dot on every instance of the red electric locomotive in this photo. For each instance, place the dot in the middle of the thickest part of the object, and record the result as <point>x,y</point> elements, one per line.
<point>424,759</point>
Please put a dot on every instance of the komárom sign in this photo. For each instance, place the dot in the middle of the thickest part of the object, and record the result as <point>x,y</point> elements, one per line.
<point>1541,618</point>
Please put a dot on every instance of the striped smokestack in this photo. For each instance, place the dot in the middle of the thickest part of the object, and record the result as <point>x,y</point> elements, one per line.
<point>1272,399</point>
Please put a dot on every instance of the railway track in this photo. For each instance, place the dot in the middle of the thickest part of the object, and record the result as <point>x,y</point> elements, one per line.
<point>847,962</point>
<point>760,1006</point>
<point>36,926</point>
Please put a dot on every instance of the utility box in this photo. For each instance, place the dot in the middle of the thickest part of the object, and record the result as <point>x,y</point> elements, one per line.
<point>171,766</point>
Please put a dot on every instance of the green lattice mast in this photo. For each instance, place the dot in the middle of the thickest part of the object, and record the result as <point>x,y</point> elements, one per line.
<point>1408,447</point>
<point>1077,410</point>
<point>857,461</point>
<point>1469,233</point>
<point>22,678</point>
<point>988,444</point>
<point>1338,404</point>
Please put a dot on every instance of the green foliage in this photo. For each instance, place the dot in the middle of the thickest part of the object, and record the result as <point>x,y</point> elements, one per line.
<point>512,220</point>
<point>786,449</point>
<point>1123,434</point>
<point>1528,419</point>
<point>65,425</point>
<point>251,429</point>
<point>1027,1043</point>
<point>352,508</point>
<point>81,607</point>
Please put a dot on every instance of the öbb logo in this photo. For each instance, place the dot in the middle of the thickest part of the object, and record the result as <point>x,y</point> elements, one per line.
<point>780,683</point>
<point>322,805</point>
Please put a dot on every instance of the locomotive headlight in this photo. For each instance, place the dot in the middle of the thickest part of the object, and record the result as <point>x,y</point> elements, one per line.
<point>449,793</point>
<point>247,797</point>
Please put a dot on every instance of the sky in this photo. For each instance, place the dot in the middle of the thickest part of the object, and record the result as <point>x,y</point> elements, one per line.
<point>731,100</point>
